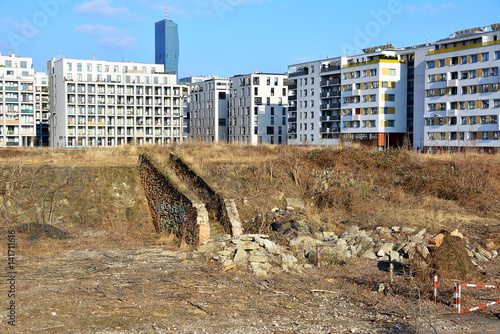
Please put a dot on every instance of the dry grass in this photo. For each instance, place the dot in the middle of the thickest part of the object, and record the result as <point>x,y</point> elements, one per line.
<point>359,184</point>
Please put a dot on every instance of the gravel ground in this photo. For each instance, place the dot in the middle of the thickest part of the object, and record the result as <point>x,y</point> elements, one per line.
<point>155,290</point>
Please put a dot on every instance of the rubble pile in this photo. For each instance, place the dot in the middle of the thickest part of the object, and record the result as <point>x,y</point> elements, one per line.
<point>292,245</point>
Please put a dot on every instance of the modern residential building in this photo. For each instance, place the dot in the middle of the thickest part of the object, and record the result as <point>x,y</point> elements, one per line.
<point>462,97</point>
<point>209,105</point>
<point>314,112</point>
<point>258,109</point>
<point>21,94</point>
<point>167,44</point>
<point>374,94</point>
<point>360,98</point>
<point>103,103</point>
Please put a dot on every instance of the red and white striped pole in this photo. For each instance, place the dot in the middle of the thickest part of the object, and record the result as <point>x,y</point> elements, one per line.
<point>456,296</point>
<point>318,255</point>
<point>435,288</point>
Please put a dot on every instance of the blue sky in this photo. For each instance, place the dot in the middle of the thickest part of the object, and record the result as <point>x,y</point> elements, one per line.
<point>229,37</point>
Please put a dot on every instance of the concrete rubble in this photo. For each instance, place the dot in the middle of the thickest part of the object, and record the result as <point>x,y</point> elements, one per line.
<point>262,254</point>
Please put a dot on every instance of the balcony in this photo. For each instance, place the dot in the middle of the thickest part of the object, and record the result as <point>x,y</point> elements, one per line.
<point>11,121</point>
<point>292,98</point>
<point>292,120</point>
<point>26,111</point>
<point>12,89</point>
<point>356,92</point>
<point>330,68</point>
<point>10,99</point>
<point>356,117</point>
<point>452,83</point>
<point>298,73</point>
<point>452,112</point>
<point>12,143</point>
<point>329,130</point>
<point>330,94</point>
<point>327,106</point>
<point>292,87</point>
<point>292,109</point>
<point>334,118</point>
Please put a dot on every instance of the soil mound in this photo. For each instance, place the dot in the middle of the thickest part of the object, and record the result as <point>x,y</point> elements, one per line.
<point>34,231</point>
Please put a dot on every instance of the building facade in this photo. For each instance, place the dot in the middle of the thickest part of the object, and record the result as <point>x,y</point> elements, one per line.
<point>102,103</point>
<point>23,101</point>
<point>209,105</point>
<point>258,109</point>
<point>462,97</point>
<point>167,45</point>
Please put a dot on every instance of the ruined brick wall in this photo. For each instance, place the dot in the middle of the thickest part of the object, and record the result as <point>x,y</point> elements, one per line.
<point>223,209</point>
<point>172,210</point>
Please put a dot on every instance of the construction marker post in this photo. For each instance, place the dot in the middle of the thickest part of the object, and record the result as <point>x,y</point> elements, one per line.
<point>456,296</point>
<point>318,256</point>
<point>435,288</point>
<point>475,286</point>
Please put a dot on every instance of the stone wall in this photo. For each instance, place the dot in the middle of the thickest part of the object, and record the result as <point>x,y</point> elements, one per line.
<point>173,210</point>
<point>223,209</point>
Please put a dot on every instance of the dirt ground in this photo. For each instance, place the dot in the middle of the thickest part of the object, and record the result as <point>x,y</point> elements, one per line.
<point>102,282</point>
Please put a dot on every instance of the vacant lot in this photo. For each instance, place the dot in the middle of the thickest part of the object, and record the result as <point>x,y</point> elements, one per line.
<point>107,271</point>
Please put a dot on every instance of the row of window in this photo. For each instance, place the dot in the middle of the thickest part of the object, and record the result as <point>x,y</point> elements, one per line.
<point>118,78</point>
<point>365,73</point>
<point>120,89</point>
<point>22,64</point>
<point>469,74</point>
<point>107,68</point>
<point>461,60</point>
<point>465,120</point>
<point>369,111</point>
<point>475,135</point>
<point>368,124</point>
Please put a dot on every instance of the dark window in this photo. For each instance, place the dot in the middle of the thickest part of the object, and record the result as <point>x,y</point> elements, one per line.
<point>222,122</point>
<point>270,130</point>
<point>222,95</point>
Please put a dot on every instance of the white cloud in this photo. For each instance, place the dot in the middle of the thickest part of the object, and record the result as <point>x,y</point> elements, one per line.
<point>105,8</point>
<point>429,8</point>
<point>110,37</point>
<point>97,29</point>
<point>118,42</point>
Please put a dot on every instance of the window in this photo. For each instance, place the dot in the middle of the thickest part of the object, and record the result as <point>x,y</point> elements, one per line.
<point>272,91</point>
<point>256,90</point>
<point>464,59</point>
<point>79,67</point>
<point>99,68</point>
<point>473,58</point>
<point>89,67</point>
<point>472,104</point>
<point>70,67</point>
<point>276,81</point>
<point>431,64</point>
<point>8,63</point>
<point>373,72</point>
<point>485,56</point>
<point>497,54</point>
<point>284,91</point>
<point>268,81</point>
<point>472,74</point>
<point>441,62</point>
<point>25,73</point>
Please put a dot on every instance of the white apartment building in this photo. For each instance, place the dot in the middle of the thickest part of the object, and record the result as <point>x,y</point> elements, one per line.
<point>462,97</point>
<point>21,95</point>
<point>359,98</point>
<point>374,94</point>
<point>258,109</point>
<point>209,106</point>
<point>103,103</point>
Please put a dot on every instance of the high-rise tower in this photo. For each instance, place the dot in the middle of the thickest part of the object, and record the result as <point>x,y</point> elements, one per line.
<point>167,44</point>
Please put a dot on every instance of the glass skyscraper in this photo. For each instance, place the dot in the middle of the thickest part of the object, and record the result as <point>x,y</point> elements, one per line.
<point>167,45</point>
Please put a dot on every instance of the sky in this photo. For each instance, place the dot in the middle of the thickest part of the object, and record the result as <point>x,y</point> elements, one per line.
<point>229,37</point>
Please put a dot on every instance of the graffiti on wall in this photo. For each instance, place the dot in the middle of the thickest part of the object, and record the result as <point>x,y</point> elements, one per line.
<point>172,214</point>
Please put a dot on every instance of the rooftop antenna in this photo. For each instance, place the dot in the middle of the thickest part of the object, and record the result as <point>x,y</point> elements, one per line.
<point>166,13</point>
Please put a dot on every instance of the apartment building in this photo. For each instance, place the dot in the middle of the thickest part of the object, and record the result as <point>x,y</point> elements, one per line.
<point>103,103</point>
<point>373,98</point>
<point>258,109</point>
<point>462,97</point>
<point>23,101</point>
<point>359,98</point>
<point>208,108</point>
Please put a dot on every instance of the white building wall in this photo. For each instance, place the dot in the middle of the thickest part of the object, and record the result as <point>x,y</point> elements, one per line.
<point>101,103</point>
<point>462,101</point>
